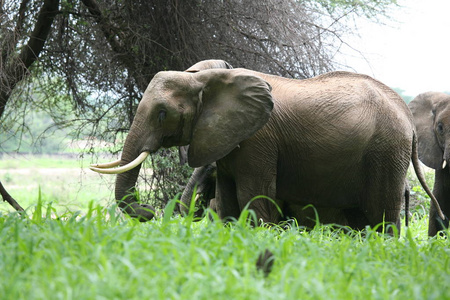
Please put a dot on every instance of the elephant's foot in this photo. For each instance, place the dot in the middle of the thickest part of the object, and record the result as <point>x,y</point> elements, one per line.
<point>142,212</point>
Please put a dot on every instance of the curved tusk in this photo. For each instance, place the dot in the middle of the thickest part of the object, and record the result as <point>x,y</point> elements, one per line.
<point>444,164</point>
<point>107,165</point>
<point>124,168</point>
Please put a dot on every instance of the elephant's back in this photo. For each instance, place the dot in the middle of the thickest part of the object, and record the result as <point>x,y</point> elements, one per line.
<point>343,100</point>
<point>334,126</point>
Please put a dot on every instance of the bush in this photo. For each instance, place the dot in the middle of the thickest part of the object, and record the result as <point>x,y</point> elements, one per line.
<point>164,179</point>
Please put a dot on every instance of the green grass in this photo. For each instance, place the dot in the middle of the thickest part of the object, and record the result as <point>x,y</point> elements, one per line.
<point>104,255</point>
<point>65,182</point>
<point>32,161</point>
<point>71,247</point>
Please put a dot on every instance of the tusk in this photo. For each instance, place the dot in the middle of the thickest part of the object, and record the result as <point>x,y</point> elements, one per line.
<point>444,164</point>
<point>196,198</point>
<point>107,165</point>
<point>124,168</point>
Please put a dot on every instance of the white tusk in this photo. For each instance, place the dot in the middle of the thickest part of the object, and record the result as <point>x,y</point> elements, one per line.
<point>124,168</point>
<point>107,165</point>
<point>196,198</point>
<point>444,164</point>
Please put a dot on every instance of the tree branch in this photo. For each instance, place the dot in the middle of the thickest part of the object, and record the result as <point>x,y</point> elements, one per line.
<point>105,27</point>
<point>47,14</point>
<point>16,70</point>
<point>7,198</point>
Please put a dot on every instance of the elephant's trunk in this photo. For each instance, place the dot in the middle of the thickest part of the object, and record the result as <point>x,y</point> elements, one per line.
<point>187,195</point>
<point>204,179</point>
<point>126,182</point>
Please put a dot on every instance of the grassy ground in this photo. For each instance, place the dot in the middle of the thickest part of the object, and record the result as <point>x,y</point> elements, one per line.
<point>71,247</point>
<point>65,182</point>
<point>103,255</point>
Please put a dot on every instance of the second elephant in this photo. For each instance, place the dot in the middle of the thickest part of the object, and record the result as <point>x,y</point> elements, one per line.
<point>431,113</point>
<point>203,183</point>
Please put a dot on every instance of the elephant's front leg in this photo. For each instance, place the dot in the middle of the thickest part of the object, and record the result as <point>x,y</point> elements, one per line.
<point>246,180</point>
<point>258,193</point>
<point>441,191</point>
<point>256,188</point>
<point>225,204</point>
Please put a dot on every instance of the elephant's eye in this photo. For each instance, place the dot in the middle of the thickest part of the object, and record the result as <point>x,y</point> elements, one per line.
<point>161,116</point>
<point>440,128</point>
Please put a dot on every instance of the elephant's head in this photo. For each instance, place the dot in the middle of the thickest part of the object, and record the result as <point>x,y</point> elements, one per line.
<point>212,111</point>
<point>431,113</point>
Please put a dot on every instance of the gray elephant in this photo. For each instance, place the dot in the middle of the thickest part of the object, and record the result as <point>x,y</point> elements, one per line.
<point>431,113</point>
<point>203,183</point>
<point>340,141</point>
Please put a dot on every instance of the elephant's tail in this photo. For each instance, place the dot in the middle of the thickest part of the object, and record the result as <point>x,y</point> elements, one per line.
<point>407,195</point>
<point>421,177</point>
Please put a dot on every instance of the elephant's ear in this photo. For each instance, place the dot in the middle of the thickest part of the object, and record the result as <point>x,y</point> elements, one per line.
<point>423,108</point>
<point>200,66</point>
<point>234,104</point>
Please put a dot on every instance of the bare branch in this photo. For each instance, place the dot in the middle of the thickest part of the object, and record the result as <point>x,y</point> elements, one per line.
<point>8,198</point>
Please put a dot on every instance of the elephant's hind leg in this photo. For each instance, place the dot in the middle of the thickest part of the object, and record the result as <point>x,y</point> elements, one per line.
<point>383,196</point>
<point>356,218</point>
<point>226,204</point>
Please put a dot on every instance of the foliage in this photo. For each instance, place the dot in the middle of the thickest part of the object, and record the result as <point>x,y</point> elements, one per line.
<point>35,134</point>
<point>370,9</point>
<point>168,182</point>
<point>104,255</point>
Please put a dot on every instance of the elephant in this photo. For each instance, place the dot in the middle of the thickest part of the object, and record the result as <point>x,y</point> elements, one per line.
<point>431,112</point>
<point>340,141</point>
<point>203,180</point>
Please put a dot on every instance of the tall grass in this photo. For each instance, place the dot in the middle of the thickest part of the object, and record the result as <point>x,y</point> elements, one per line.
<point>69,247</point>
<point>104,255</point>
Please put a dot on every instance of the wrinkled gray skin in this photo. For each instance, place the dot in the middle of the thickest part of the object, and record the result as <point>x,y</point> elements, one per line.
<point>340,141</point>
<point>431,113</point>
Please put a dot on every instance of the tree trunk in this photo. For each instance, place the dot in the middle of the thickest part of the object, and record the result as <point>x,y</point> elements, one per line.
<point>15,69</point>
